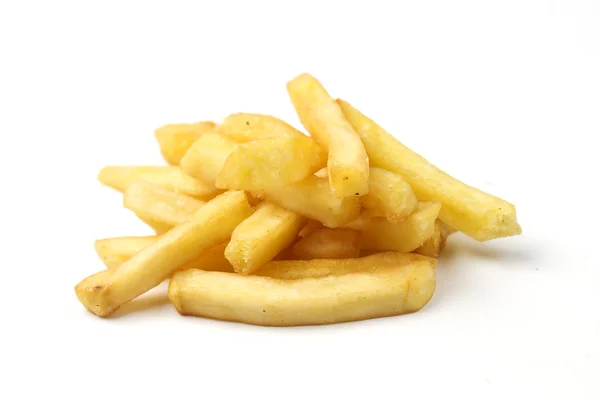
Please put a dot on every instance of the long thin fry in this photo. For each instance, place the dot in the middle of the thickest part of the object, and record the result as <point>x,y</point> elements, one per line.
<point>348,165</point>
<point>105,291</point>
<point>472,211</point>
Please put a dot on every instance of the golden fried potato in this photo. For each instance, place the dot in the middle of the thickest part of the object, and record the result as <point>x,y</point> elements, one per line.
<point>106,291</point>
<point>158,227</point>
<point>347,165</point>
<point>390,195</point>
<point>168,177</point>
<point>313,198</point>
<point>318,268</point>
<point>206,157</point>
<point>244,127</point>
<point>153,203</point>
<point>175,139</point>
<point>327,243</point>
<point>271,163</point>
<point>258,239</point>
<point>115,251</point>
<point>472,211</point>
<point>434,246</point>
<point>266,301</point>
<point>380,234</point>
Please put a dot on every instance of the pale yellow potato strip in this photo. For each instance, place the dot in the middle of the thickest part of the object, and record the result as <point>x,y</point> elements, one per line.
<point>433,246</point>
<point>244,127</point>
<point>168,177</point>
<point>206,157</point>
<point>175,139</point>
<point>348,165</point>
<point>259,238</point>
<point>158,227</point>
<point>115,251</point>
<point>380,234</point>
<point>480,215</point>
<point>313,199</point>
<point>317,268</point>
<point>105,291</point>
<point>390,194</point>
<point>156,204</point>
<point>311,301</point>
<point>271,163</point>
<point>327,243</point>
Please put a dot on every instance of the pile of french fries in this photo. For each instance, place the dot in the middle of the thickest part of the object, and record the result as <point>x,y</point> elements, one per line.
<point>257,222</point>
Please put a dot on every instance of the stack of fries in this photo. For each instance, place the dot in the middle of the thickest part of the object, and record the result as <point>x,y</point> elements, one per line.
<point>259,223</point>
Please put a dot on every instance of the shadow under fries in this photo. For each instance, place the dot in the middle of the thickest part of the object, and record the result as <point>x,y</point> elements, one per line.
<point>463,254</point>
<point>152,301</point>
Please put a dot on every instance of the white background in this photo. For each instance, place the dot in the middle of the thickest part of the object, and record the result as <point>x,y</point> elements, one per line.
<point>503,94</point>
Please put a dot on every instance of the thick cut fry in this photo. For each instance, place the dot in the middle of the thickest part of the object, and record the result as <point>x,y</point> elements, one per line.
<point>115,251</point>
<point>474,212</point>
<point>168,177</point>
<point>434,246</point>
<point>175,139</point>
<point>313,198</point>
<point>153,203</point>
<point>318,268</point>
<point>390,194</point>
<point>206,157</point>
<point>328,243</point>
<point>348,165</point>
<point>271,163</point>
<point>243,127</point>
<point>261,237</point>
<point>380,234</point>
<point>105,291</point>
<point>312,301</point>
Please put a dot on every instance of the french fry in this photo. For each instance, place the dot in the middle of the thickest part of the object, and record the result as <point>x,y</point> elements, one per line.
<point>434,246</point>
<point>244,127</point>
<point>115,251</point>
<point>348,165</point>
<point>155,204</point>
<point>261,237</point>
<point>106,291</point>
<point>390,194</point>
<point>168,177</point>
<point>406,236</point>
<point>313,301</point>
<point>158,227</point>
<point>472,211</point>
<point>205,158</point>
<point>310,226</point>
<point>175,139</point>
<point>318,268</point>
<point>271,163</point>
<point>322,173</point>
<point>327,243</point>
<point>313,199</point>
